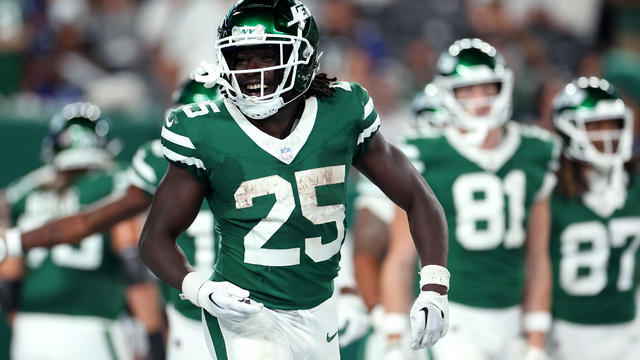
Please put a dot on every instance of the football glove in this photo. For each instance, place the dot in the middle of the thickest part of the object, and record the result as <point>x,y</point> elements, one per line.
<point>207,74</point>
<point>353,320</point>
<point>429,315</point>
<point>221,299</point>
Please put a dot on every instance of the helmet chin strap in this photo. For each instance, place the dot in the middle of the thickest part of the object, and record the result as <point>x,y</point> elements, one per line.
<point>607,189</point>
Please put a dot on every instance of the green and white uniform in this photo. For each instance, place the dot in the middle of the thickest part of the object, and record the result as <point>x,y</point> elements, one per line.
<point>186,340</point>
<point>279,204</point>
<point>487,196</point>
<point>70,293</point>
<point>595,278</point>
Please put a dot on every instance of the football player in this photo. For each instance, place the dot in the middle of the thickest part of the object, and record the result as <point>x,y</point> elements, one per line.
<point>493,177</point>
<point>271,158</point>
<point>147,168</point>
<point>595,226</point>
<point>69,297</point>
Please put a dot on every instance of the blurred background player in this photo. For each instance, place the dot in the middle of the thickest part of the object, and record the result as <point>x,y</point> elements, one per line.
<point>595,226</point>
<point>185,338</point>
<point>68,297</point>
<point>493,177</point>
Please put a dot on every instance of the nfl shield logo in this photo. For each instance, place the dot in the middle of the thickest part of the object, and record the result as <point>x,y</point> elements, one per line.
<point>286,154</point>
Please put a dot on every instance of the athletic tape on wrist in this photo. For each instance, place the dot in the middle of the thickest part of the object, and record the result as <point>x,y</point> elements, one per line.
<point>191,284</point>
<point>14,242</point>
<point>434,274</point>
<point>537,321</point>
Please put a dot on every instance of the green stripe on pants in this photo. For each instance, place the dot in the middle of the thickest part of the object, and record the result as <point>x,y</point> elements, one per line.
<point>215,336</point>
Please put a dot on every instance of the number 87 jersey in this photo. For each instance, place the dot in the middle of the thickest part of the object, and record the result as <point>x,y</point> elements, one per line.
<point>595,259</point>
<point>279,204</point>
<point>487,196</point>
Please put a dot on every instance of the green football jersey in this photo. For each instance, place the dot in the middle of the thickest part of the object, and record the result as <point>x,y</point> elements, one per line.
<point>83,279</point>
<point>279,204</point>
<point>487,196</point>
<point>595,259</point>
<point>197,242</point>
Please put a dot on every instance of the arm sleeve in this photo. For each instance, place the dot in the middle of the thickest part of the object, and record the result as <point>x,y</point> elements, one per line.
<point>368,122</point>
<point>179,149</point>
<point>147,167</point>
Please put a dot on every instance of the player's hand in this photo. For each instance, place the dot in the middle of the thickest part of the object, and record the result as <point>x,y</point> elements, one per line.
<point>429,319</point>
<point>535,353</point>
<point>206,73</point>
<point>353,320</point>
<point>10,243</point>
<point>221,299</point>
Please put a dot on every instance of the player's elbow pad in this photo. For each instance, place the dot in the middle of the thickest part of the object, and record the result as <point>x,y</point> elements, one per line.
<point>135,271</point>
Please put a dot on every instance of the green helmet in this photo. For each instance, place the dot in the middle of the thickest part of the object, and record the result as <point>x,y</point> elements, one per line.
<point>471,62</point>
<point>77,139</point>
<point>192,91</point>
<point>287,24</point>
<point>428,109</point>
<point>586,100</point>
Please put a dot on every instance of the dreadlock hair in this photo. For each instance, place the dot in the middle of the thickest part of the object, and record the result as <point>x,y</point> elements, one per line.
<point>320,86</point>
<point>571,178</point>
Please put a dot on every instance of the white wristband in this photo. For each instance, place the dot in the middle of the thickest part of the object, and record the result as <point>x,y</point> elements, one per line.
<point>537,321</point>
<point>396,323</point>
<point>14,242</point>
<point>434,274</point>
<point>191,284</point>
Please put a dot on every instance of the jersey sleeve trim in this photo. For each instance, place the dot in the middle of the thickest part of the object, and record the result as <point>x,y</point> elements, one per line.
<point>366,133</point>
<point>191,161</point>
<point>144,169</point>
<point>368,108</point>
<point>176,138</point>
<point>137,181</point>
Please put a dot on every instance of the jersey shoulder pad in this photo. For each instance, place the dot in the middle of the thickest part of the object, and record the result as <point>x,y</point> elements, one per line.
<point>544,143</point>
<point>147,166</point>
<point>182,130</point>
<point>29,182</point>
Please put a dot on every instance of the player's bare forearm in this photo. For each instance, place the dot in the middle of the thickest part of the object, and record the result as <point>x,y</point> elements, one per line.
<point>370,237</point>
<point>175,204</point>
<point>95,219</point>
<point>391,171</point>
<point>144,302</point>
<point>537,294</point>
<point>398,267</point>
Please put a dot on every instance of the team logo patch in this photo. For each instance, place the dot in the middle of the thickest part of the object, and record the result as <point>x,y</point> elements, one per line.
<point>248,30</point>
<point>286,153</point>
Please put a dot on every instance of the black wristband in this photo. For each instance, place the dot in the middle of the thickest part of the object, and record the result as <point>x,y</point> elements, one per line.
<point>9,294</point>
<point>156,345</point>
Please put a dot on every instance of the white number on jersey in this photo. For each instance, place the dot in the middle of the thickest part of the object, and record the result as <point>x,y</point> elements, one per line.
<point>479,199</point>
<point>587,246</point>
<point>306,181</point>
<point>86,256</point>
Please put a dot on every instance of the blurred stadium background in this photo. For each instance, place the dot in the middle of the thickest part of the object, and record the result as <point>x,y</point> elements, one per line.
<point>128,56</point>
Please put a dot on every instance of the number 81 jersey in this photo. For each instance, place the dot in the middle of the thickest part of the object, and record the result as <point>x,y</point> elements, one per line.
<point>595,259</point>
<point>487,196</point>
<point>279,204</point>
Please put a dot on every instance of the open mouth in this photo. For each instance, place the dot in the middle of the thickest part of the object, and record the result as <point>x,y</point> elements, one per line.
<point>256,89</point>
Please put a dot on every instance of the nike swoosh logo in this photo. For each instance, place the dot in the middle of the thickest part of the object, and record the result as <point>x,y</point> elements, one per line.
<point>330,338</point>
<point>169,121</point>
<point>344,329</point>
